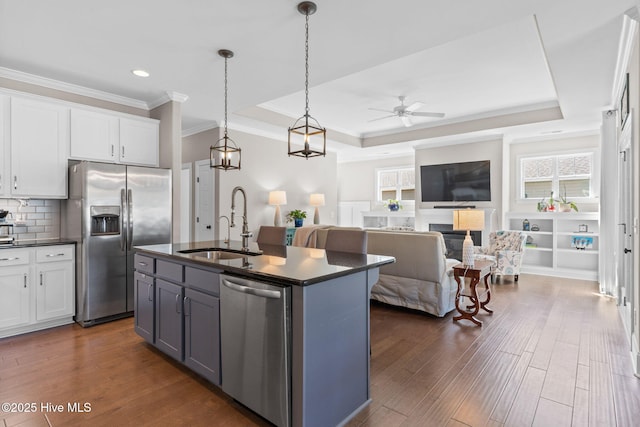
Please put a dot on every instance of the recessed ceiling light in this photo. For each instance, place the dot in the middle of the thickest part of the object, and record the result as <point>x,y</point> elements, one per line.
<point>140,73</point>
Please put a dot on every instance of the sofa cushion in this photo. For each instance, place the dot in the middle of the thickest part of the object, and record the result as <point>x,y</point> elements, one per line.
<point>418,255</point>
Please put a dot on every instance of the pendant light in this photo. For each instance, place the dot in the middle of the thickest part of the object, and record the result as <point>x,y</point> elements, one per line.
<point>306,131</point>
<point>225,154</point>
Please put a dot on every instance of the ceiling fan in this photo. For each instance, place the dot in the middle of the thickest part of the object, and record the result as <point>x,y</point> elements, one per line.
<point>405,111</point>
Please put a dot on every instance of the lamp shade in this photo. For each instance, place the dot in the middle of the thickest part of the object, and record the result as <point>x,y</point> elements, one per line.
<point>316,199</point>
<point>468,219</point>
<point>277,198</point>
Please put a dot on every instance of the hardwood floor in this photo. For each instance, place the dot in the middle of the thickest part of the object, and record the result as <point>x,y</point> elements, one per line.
<point>553,354</point>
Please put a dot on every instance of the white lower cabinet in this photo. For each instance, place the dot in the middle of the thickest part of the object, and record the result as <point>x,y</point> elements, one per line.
<point>37,288</point>
<point>55,283</point>
<point>14,296</point>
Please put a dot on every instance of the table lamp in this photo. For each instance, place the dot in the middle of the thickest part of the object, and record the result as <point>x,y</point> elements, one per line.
<point>277,198</point>
<point>468,219</point>
<point>316,199</point>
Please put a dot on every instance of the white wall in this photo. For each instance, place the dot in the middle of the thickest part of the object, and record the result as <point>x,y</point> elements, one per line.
<point>266,167</point>
<point>357,180</point>
<point>547,147</point>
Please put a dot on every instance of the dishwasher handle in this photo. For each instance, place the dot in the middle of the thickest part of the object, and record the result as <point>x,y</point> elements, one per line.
<point>252,291</point>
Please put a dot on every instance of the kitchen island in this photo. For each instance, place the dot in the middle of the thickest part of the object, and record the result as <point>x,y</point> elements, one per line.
<point>304,364</point>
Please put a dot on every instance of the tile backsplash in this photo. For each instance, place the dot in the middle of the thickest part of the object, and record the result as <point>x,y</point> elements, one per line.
<point>32,219</point>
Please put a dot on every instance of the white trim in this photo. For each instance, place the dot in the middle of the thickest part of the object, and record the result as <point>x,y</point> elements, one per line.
<point>168,96</point>
<point>71,88</point>
<point>554,136</point>
<point>200,128</point>
<point>625,46</point>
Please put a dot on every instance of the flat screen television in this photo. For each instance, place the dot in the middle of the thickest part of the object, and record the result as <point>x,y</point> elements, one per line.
<point>456,182</point>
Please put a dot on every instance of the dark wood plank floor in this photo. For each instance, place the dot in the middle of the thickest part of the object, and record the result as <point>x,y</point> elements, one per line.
<point>553,354</point>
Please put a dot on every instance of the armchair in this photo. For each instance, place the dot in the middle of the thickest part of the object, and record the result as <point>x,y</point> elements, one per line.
<point>505,250</point>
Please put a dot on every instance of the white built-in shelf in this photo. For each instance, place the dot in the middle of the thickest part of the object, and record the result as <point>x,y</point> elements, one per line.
<point>384,219</point>
<point>554,254</point>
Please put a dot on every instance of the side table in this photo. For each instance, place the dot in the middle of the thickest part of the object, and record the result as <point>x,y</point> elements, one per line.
<point>480,270</point>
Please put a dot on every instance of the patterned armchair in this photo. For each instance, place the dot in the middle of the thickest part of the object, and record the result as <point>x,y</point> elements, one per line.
<point>505,249</point>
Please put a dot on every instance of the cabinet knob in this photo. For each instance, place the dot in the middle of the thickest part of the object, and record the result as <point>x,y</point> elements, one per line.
<point>40,279</point>
<point>15,182</point>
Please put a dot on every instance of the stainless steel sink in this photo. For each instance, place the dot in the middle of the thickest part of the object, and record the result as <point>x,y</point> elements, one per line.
<point>218,253</point>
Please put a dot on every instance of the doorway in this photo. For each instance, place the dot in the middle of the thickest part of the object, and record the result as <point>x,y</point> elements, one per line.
<point>624,264</point>
<point>204,203</point>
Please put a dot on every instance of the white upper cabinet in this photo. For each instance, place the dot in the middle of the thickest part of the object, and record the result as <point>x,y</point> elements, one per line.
<point>39,141</point>
<point>139,141</point>
<point>94,136</point>
<point>111,138</point>
<point>4,146</point>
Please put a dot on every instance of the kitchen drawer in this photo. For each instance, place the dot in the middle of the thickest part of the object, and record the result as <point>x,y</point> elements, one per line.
<point>170,271</point>
<point>14,257</point>
<point>143,264</point>
<point>205,280</point>
<point>54,253</point>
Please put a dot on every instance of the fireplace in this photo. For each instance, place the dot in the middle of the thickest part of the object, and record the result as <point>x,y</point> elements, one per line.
<point>453,239</point>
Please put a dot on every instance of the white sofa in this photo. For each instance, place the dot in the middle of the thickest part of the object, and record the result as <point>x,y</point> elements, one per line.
<point>422,276</point>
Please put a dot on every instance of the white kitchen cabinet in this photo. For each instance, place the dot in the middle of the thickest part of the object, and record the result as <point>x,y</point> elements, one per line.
<point>37,288</point>
<point>39,140</point>
<point>55,289</point>
<point>94,136</point>
<point>105,137</point>
<point>4,146</point>
<point>14,288</point>
<point>139,141</point>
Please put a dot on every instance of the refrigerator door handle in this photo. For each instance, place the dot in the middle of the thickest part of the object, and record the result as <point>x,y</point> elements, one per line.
<point>130,225</point>
<point>122,217</point>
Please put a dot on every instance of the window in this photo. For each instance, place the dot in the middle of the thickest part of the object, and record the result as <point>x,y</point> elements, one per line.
<point>396,183</point>
<point>567,174</point>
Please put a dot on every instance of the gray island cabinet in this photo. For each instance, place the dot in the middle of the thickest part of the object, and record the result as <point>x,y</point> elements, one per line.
<point>325,380</point>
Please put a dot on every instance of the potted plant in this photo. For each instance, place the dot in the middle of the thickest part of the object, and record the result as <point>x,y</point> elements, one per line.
<point>297,216</point>
<point>565,205</point>
<point>393,205</point>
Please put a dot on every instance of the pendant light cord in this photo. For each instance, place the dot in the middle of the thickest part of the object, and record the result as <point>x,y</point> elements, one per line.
<point>225,98</point>
<point>306,64</point>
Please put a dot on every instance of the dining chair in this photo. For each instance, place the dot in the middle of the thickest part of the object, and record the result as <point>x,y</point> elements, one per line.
<point>347,240</point>
<point>270,235</point>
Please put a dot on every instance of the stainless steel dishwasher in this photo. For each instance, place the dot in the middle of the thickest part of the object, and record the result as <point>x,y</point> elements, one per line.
<point>255,320</point>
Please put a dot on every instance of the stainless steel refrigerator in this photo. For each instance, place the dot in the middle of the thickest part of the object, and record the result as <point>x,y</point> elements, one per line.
<point>112,208</point>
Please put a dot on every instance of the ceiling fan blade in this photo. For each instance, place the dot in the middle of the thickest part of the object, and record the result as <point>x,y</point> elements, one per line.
<point>414,106</point>
<point>406,121</point>
<point>379,109</point>
<point>380,118</point>
<point>425,114</point>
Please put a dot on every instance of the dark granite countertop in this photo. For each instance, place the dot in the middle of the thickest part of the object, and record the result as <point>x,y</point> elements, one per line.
<point>288,265</point>
<point>37,242</point>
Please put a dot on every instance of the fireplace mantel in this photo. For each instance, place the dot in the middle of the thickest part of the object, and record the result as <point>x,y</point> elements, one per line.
<point>445,216</point>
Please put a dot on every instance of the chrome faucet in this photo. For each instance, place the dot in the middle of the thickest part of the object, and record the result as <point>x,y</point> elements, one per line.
<point>228,228</point>
<point>245,226</point>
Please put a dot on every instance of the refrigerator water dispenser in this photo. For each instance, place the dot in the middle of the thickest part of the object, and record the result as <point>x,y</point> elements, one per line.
<point>105,220</point>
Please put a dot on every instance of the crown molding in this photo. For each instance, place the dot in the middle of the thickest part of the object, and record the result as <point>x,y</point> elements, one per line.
<point>168,96</point>
<point>200,128</point>
<point>71,88</point>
